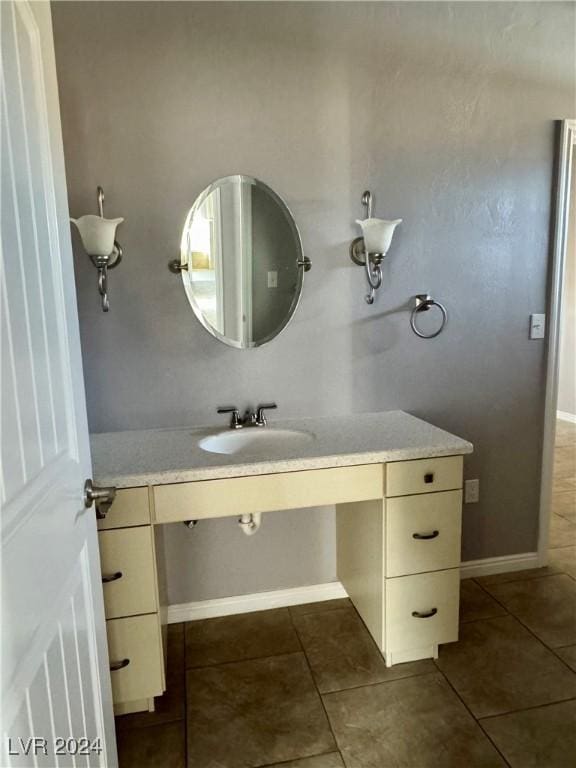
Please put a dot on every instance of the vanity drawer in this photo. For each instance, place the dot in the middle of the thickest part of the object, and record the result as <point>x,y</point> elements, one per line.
<point>404,478</point>
<point>267,493</point>
<point>423,533</point>
<point>130,507</point>
<point>138,640</point>
<point>426,593</point>
<point>128,572</point>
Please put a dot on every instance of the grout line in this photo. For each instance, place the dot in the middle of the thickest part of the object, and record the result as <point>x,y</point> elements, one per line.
<point>561,659</point>
<point>487,618</point>
<point>315,684</point>
<point>483,588</point>
<point>300,643</point>
<point>307,757</point>
<point>474,718</point>
<point>531,632</point>
<point>526,709</point>
<point>380,682</point>
<point>241,660</point>
<point>515,581</point>
<point>563,516</point>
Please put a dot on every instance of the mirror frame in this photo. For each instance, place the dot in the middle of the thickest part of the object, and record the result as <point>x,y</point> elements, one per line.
<point>186,274</point>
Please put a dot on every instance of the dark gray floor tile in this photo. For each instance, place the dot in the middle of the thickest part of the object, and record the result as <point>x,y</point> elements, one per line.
<point>476,603</point>
<point>342,653</point>
<point>538,738</point>
<point>498,666</point>
<point>171,705</point>
<point>546,606</point>
<point>254,713</point>
<point>415,722</point>
<point>568,655</point>
<point>160,746</point>
<point>333,760</point>
<point>325,605</point>
<point>234,638</point>
<point>564,559</point>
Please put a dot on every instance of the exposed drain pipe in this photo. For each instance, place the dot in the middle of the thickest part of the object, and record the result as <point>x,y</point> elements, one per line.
<point>250,523</point>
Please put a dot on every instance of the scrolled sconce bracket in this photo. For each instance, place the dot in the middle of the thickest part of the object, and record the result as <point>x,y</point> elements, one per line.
<point>103,286</point>
<point>357,251</point>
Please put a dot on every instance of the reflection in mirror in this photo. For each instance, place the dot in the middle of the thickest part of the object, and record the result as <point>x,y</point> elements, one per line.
<point>244,261</point>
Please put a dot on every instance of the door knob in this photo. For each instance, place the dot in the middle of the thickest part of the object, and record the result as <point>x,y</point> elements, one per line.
<point>102,496</point>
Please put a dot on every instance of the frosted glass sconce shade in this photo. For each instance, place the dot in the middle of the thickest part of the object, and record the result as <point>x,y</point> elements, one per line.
<point>377,234</point>
<point>98,234</point>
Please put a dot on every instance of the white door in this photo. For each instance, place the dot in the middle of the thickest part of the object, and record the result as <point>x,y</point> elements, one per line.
<point>55,677</point>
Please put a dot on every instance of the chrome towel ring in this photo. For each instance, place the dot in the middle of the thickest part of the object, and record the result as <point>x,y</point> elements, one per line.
<point>422,303</point>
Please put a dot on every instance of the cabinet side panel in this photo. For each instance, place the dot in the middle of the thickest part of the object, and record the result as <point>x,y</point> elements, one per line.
<point>360,560</point>
<point>161,582</point>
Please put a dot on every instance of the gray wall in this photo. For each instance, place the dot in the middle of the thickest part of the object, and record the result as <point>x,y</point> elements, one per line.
<point>445,111</point>
<point>567,372</point>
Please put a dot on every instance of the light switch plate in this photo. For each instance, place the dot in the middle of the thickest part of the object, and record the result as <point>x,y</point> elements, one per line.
<point>273,279</point>
<point>537,326</point>
<point>471,491</point>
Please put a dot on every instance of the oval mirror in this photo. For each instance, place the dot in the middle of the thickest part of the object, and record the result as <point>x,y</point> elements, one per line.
<point>241,261</point>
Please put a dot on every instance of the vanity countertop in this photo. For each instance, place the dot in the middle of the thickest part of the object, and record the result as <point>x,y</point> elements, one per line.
<point>162,456</point>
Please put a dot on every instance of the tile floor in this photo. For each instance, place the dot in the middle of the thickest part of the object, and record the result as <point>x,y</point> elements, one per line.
<point>306,687</point>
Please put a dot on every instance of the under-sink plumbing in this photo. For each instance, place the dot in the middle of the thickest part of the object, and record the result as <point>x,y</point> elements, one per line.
<point>250,523</point>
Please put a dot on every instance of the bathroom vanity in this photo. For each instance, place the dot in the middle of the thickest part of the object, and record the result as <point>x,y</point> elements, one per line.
<point>396,482</point>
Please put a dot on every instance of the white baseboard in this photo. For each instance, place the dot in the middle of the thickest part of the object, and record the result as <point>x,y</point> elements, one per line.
<point>258,601</point>
<point>492,565</point>
<point>281,598</point>
<point>565,416</point>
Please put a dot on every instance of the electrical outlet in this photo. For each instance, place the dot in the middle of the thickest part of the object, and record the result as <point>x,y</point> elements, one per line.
<point>471,491</point>
<point>273,279</point>
<point>537,326</point>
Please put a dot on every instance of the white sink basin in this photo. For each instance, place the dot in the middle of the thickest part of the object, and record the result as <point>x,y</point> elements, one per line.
<point>255,440</point>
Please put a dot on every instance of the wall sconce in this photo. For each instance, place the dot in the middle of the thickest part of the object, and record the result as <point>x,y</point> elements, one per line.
<point>368,250</point>
<point>99,241</point>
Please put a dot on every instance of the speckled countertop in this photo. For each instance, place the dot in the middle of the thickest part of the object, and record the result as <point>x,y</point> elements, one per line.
<point>161,456</point>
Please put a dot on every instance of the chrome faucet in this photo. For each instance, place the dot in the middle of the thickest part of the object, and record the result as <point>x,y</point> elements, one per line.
<point>251,418</point>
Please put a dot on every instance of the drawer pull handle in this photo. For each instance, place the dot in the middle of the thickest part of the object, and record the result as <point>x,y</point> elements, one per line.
<point>426,536</point>
<point>429,477</point>
<point>116,665</point>
<point>112,577</point>
<point>425,614</point>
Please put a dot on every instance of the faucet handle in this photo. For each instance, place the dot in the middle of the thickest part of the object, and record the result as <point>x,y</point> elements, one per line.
<point>260,417</point>
<point>235,422</point>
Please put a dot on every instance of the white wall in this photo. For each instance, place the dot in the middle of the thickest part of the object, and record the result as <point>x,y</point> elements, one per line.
<point>567,377</point>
